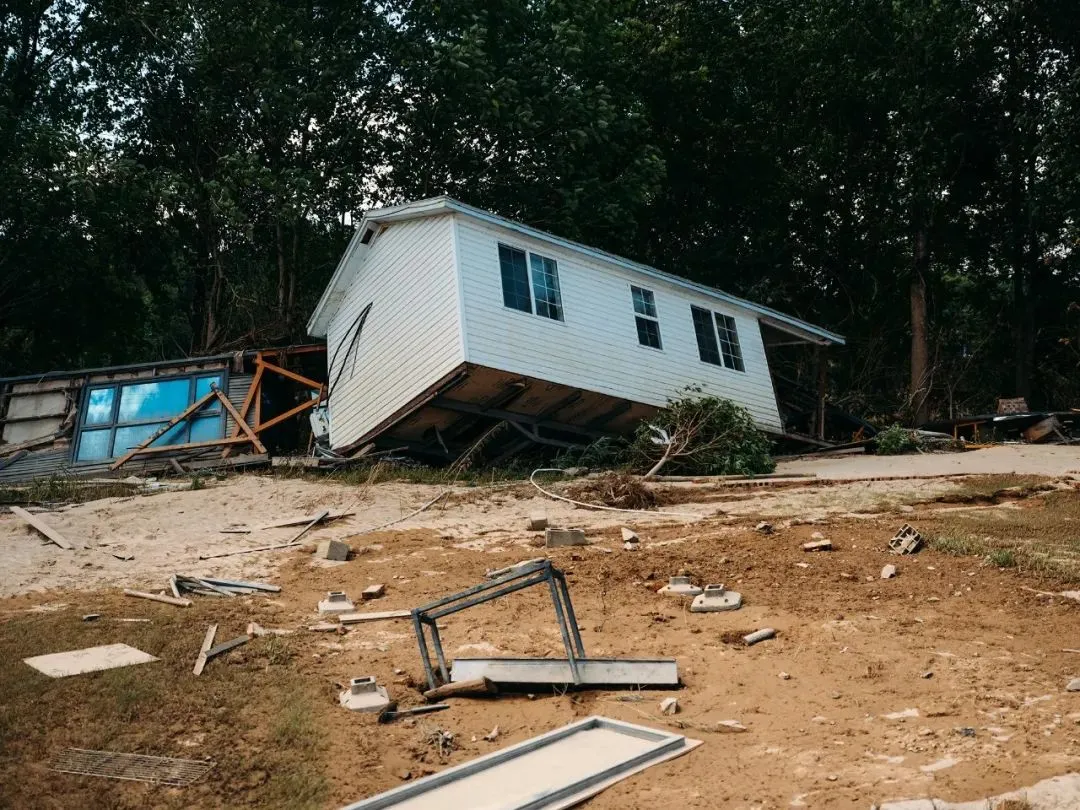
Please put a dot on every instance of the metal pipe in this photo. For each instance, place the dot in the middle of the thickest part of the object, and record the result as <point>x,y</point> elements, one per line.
<point>561,618</point>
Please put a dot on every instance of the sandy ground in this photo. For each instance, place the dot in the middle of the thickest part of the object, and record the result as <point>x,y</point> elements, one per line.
<point>945,681</point>
<point>1024,459</point>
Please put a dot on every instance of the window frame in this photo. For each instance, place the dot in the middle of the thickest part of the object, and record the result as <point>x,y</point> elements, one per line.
<point>654,318</point>
<point>728,348</point>
<point>113,424</point>
<point>534,304</point>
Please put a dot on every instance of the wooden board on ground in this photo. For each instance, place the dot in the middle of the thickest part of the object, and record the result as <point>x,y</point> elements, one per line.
<point>208,642</point>
<point>373,616</point>
<point>477,686</point>
<point>300,520</point>
<point>92,659</point>
<point>42,527</point>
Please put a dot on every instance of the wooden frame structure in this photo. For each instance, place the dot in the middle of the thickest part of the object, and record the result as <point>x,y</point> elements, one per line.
<point>253,399</point>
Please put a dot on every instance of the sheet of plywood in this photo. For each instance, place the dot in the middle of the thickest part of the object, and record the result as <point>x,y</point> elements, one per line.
<point>43,527</point>
<point>92,659</point>
<point>550,772</point>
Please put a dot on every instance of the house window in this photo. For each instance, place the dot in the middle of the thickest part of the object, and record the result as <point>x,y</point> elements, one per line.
<point>120,416</point>
<point>729,341</point>
<point>515,279</point>
<point>725,352</point>
<point>648,325</point>
<point>515,266</point>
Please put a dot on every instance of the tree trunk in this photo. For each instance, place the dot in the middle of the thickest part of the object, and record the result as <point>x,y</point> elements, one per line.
<point>920,351</point>
<point>283,277</point>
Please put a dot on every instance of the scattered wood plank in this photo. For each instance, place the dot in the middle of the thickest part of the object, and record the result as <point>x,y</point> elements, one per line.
<point>235,583</point>
<point>43,527</point>
<point>374,616</point>
<point>225,646</point>
<point>479,686</point>
<point>247,551</point>
<point>319,518</point>
<point>300,520</point>
<point>208,642</point>
<point>167,600</point>
<point>174,587</point>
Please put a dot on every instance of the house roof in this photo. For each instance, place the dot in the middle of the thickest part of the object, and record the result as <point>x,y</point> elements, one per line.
<point>434,206</point>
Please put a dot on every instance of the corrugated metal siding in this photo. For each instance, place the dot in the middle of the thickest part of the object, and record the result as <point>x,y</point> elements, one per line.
<point>412,336</point>
<point>57,461</point>
<point>596,347</point>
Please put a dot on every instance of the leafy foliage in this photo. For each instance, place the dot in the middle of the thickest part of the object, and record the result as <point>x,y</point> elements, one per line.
<point>700,435</point>
<point>895,441</point>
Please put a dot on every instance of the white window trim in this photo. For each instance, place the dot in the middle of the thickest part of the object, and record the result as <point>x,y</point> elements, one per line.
<point>716,334</point>
<point>655,319</point>
<point>532,290</point>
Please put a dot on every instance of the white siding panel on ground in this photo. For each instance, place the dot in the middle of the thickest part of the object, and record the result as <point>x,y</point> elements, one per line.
<point>596,347</point>
<point>412,335</point>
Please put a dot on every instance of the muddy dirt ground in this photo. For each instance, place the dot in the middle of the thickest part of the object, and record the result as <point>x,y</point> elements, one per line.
<point>945,681</point>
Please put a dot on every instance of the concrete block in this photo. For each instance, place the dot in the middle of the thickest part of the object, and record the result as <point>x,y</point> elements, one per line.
<point>716,599</point>
<point>336,602</point>
<point>818,545</point>
<point>364,695</point>
<point>537,522</point>
<point>679,586</point>
<point>555,538</point>
<point>1073,685</point>
<point>332,550</point>
<point>888,572</point>
<point>764,528</point>
<point>372,592</point>
<point>669,705</point>
<point>630,536</point>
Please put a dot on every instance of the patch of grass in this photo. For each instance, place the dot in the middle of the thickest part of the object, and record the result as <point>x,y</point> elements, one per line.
<point>1003,557</point>
<point>64,489</point>
<point>992,488</point>
<point>956,545</point>
<point>278,651</point>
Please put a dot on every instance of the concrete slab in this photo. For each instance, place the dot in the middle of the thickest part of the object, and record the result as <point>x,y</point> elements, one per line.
<point>555,538</point>
<point>372,592</point>
<point>91,659</point>
<point>679,586</point>
<point>336,602</point>
<point>332,550</point>
<point>537,522</point>
<point>364,695</point>
<point>715,599</point>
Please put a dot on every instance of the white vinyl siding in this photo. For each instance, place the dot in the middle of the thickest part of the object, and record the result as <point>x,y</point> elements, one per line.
<point>411,337</point>
<point>595,346</point>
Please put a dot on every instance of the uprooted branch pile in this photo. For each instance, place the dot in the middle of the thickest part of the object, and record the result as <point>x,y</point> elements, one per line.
<point>614,489</point>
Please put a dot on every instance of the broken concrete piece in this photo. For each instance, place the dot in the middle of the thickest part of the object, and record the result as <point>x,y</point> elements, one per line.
<point>764,528</point>
<point>888,572</point>
<point>818,545</point>
<point>555,538</point>
<point>364,695</point>
<point>669,706</point>
<point>630,536</point>
<point>715,599</point>
<point>817,536</point>
<point>679,586</point>
<point>332,550</point>
<point>1073,685</point>
<point>537,522</point>
<point>372,592</point>
<point>1056,793</point>
<point>905,541</point>
<point>730,727</point>
<point>631,546</point>
<point>759,635</point>
<point>336,602</point>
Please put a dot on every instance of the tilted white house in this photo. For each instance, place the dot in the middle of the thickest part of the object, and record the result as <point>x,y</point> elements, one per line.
<point>442,320</point>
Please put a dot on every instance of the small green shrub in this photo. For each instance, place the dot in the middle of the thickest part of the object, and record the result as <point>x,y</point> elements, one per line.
<point>702,435</point>
<point>895,441</point>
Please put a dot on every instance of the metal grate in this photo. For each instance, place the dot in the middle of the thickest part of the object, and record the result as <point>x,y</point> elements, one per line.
<point>137,767</point>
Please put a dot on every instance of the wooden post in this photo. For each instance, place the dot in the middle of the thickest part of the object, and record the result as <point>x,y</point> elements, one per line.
<point>822,375</point>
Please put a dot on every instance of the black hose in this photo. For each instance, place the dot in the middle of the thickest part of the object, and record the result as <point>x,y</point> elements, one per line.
<point>357,325</point>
